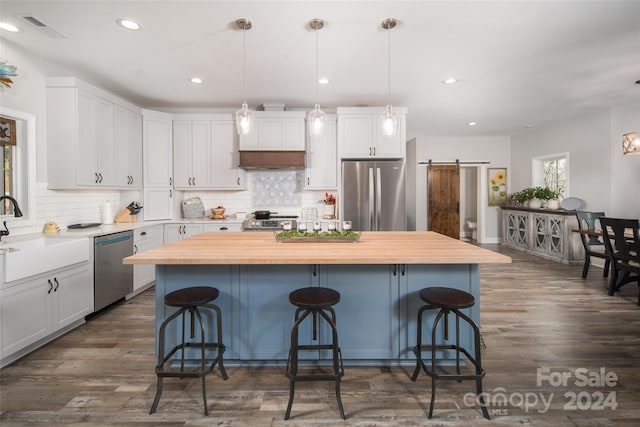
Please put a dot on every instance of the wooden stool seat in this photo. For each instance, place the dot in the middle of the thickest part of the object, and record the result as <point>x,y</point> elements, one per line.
<point>446,301</point>
<point>447,298</point>
<point>190,300</point>
<point>314,298</point>
<point>191,297</point>
<point>316,303</point>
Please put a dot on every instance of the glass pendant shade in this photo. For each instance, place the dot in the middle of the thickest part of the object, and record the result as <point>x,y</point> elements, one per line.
<point>631,143</point>
<point>389,123</point>
<point>244,120</point>
<point>316,121</point>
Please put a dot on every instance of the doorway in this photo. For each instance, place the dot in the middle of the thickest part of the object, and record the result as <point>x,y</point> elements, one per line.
<point>443,200</point>
<point>452,200</point>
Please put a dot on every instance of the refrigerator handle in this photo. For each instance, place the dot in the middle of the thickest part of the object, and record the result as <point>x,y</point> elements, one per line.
<point>378,198</point>
<point>371,200</point>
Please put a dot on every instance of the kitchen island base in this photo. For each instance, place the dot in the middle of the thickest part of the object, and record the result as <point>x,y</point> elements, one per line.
<point>377,310</point>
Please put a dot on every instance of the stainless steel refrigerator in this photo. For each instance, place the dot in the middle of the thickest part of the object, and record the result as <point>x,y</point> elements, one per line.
<point>374,194</point>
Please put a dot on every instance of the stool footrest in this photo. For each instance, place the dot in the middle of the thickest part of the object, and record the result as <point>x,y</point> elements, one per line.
<point>160,371</point>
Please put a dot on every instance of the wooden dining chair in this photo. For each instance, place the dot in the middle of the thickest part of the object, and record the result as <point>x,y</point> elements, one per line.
<point>621,237</point>
<point>593,244</point>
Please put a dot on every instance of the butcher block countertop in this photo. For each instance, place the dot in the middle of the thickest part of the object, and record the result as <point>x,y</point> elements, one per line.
<point>381,247</point>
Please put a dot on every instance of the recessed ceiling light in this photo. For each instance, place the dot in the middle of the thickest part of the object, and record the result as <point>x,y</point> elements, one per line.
<point>323,81</point>
<point>129,24</point>
<point>472,123</point>
<point>9,27</point>
<point>196,80</point>
<point>450,80</point>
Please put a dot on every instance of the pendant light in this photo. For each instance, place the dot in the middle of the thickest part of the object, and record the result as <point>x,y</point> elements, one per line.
<point>315,119</point>
<point>631,143</point>
<point>389,119</point>
<point>244,117</point>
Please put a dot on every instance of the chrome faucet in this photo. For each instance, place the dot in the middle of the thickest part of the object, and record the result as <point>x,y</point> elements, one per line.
<point>16,212</point>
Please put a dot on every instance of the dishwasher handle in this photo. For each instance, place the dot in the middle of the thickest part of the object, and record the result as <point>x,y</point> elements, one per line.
<point>113,240</point>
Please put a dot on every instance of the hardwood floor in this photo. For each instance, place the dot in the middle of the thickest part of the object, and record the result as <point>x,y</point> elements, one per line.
<point>535,314</point>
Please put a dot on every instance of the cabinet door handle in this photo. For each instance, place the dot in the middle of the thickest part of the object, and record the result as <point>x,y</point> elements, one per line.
<point>189,181</point>
<point>224,228</point>
<point>96,177</point>
<point>170,181</point>
<point>315,272</point>
<point>403,266</point>
<point>193,180</point>
<point>395,269</point>
<point>238,180</point>
<point>374,151</point>
<point>100,177</point>
<point>170,193</point>
<point>57,284</point>
<point>369,150</point>
<point>135,249</point>
<point>144,233</point>
<point>308,181</point>
<point>50,286</point>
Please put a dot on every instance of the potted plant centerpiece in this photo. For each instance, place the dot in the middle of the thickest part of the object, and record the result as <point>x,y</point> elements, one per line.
<point>549,196</point>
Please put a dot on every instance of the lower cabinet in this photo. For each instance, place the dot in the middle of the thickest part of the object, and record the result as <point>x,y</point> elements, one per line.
<point>36,308</point>
<point>174,232</point>
<point>144,239</point>
<point>546,233</point>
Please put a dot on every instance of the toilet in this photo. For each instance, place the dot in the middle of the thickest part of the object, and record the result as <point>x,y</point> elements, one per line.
<point>473,226</point>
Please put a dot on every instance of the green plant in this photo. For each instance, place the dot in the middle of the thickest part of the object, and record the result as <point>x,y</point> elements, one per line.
<point>545,193</point>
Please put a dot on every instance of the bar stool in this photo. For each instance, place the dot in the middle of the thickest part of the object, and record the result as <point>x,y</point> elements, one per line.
<point>190,299</point>
<point>448,300</point>
<point>314,301</point>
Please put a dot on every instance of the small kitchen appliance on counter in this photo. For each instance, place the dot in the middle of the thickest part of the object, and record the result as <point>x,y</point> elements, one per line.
<point>273,222</point>
<point>51,228</point>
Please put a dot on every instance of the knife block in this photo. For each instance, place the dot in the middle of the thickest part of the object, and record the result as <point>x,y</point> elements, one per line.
<point>125,216</point>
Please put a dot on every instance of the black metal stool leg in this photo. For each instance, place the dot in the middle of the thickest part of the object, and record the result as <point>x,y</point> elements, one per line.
<point>292,363</point>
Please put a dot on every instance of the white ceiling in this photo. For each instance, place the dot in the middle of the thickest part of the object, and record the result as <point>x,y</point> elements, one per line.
<point>520,63</point>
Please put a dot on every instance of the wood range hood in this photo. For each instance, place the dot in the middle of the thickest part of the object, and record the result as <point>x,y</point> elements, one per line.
<point>272,159</point>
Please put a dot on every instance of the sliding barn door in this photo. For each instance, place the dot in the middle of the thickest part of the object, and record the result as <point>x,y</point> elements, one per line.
<point>443,187</point>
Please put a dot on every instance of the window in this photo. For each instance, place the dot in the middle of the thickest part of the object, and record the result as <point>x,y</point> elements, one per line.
<point>552,172</point>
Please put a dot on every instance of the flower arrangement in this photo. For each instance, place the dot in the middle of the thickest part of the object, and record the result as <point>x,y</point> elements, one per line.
<point>329,199</point>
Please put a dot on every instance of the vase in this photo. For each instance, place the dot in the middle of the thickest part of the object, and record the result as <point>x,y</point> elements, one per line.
<point>328,211</point>
<point>553,204</point>
<point>535,203</point>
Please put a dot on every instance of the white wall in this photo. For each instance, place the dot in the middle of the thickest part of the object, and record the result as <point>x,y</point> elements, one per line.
<point>28,95</point>
<point>495,150</point>
<point>598,171</point>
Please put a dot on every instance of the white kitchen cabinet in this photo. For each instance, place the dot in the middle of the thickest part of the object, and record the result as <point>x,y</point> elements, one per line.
<point>128,148</point>
<point>322,158</point>
<point>157,149</point>
<point>81,136</point>
<point>222,226</point>
<point>225,174</point>
<point>33,310</point>
<point>174,232</point>
<point>276,130</point>
<point>360,134</point>
<point>144,239</point>
<point>192,154</point>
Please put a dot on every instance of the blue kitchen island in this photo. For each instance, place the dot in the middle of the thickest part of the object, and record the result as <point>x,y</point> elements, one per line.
<point>378,278</point>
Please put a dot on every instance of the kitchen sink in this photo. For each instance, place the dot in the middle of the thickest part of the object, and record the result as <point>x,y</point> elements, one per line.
<point>25,256</point>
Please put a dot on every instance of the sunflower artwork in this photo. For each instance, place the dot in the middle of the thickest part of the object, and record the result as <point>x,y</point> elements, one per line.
<point>497,180</point>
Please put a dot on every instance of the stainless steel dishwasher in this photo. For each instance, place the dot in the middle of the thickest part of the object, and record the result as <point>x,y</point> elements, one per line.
<point>112,279</point>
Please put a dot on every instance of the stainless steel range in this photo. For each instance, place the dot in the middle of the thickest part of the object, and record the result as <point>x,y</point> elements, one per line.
<point>274,222</point>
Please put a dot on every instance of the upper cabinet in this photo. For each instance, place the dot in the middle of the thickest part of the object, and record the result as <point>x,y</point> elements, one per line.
<point>322,158</point>
<point>206,153</point>
<point>360,134</point>
<point>158,165</point>
<point>276,130</point>
<point>94,138</point>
